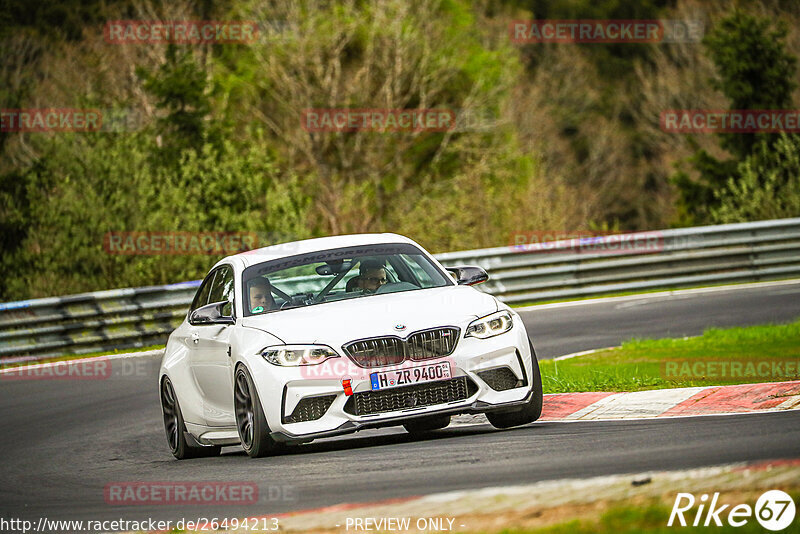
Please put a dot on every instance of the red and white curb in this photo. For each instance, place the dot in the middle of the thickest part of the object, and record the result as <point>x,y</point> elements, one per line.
<point>707,400</point>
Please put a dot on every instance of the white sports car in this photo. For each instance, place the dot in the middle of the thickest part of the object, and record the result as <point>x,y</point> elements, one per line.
<point>316,338</point>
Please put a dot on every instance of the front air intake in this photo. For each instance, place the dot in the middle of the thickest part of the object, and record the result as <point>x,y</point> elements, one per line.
<point>408,397</point>
<point>501,379</point>
<point>310,409</point>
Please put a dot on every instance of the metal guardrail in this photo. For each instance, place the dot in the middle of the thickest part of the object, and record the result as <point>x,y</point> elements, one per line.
<point>137,317</point>
<point>91,322</point>
<point>745,252</point>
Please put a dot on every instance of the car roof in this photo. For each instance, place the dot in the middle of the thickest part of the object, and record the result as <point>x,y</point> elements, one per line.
<point>292,248</point>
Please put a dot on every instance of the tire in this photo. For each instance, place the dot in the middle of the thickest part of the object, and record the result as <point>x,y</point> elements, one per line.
<point>426,424</point>
<point>250,420</point>
<point>181,447</point>
<point>528,413</point>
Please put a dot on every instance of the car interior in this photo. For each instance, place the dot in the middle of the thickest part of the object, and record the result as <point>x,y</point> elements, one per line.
<point>333,280</point>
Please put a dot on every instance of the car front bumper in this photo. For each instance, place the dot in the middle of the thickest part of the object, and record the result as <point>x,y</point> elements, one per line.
<point>282,389</point>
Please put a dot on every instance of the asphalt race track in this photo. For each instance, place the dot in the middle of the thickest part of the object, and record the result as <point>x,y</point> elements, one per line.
<point>591,325</point>
<point>63,441</point>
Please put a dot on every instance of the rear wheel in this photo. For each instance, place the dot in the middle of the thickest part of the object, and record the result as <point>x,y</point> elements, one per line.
<point>532,409</point>
<point>177,437</point>
<point>250,420</point>
<point>426,424</point>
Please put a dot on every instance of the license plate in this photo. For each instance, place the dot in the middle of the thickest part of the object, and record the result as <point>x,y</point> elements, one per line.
<point>410,375</point>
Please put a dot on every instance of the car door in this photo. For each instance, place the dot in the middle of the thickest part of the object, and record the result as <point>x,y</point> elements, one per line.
<point>186,334</point>
<point>211,358</point>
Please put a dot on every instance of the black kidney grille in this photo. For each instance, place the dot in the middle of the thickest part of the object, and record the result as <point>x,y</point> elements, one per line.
<point>402,398</point>
<point>377,351</point>
<point>310,409</point>
<point>431,343</point>
<point>391,350</point>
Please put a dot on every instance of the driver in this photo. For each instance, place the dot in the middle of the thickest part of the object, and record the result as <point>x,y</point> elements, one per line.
<point>260,296</point>
<point>371,276</point>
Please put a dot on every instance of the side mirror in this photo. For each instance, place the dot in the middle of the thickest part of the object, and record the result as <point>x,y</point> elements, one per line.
<point>469,275</point>
<point>212,314</point>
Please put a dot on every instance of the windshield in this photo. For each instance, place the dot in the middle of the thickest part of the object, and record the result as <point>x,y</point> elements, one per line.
<point>337,274</point>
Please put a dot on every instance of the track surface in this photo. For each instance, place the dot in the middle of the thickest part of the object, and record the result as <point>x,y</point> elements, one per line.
<point>591,325</point>
<point>63,441</point>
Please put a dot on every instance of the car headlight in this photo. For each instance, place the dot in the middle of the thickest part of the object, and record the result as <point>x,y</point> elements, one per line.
<point>294,355</point>
<point>492,325</point>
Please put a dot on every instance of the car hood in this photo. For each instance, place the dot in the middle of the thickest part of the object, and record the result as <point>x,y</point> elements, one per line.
<point>337,323</point>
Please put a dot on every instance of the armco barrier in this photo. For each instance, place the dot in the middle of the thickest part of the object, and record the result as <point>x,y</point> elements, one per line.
<point>125,318</point>
<point>764,250</point>
<point>89,322</point>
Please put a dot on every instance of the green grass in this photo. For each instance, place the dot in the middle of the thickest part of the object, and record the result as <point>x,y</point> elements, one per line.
<point>669,363</point>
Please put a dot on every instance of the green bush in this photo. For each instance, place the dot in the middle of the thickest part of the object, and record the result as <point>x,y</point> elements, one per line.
<point>85,187</point>
<point>766,185</point>
<point>755,71</point>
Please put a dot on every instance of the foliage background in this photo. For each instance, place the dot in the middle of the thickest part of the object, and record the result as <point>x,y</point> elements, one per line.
<point>556,137</point>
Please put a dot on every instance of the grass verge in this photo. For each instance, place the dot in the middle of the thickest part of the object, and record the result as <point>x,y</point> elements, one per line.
<point>768,353</point>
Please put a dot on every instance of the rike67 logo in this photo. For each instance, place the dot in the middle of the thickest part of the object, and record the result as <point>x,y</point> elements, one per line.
<point>774,510</point>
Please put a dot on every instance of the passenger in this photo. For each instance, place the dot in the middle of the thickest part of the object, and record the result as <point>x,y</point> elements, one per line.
<point>261,298</point>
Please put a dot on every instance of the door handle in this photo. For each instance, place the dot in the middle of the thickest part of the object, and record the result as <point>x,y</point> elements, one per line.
<point>195,338</point>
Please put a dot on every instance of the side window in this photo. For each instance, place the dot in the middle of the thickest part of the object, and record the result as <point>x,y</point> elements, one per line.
<point>222,289</point>
<point>201,298</point>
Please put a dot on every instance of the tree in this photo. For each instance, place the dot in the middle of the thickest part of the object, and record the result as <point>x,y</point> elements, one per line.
<point>84,187</point>
<point>755,72</point>
<point>765,186</point>
<point>181,90</point>
<point>398,54</point>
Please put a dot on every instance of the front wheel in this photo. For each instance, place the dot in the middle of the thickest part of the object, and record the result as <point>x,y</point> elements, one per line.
<point>181,447</point>
<point>250,420</point>
<point>532,409</point>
